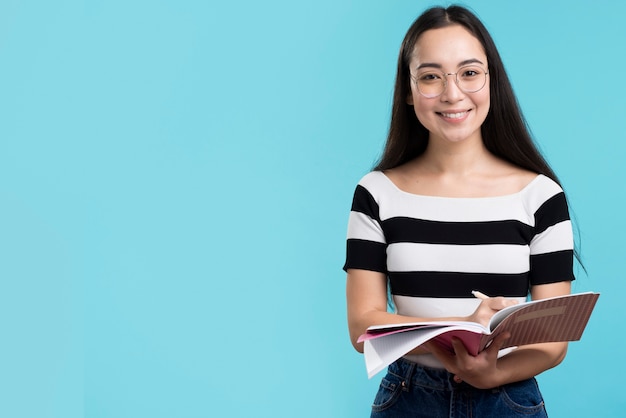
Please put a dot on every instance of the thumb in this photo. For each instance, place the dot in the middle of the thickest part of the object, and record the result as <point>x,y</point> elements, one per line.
<point>499,342</point>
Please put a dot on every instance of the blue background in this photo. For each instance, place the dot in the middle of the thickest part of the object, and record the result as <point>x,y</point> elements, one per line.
<point>175,181</point>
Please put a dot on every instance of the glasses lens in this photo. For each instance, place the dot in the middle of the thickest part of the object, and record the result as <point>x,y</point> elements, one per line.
<point>430,84</point>
<point>471,79</point>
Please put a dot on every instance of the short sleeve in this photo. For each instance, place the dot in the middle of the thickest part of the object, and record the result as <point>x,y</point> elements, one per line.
<point>366,246</point>
<point>552,246</point>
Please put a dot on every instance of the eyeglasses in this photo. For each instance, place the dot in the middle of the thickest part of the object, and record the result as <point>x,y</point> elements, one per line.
<point>470,79</point>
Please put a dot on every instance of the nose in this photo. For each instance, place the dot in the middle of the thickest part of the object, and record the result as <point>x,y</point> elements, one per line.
<point>451,92</point>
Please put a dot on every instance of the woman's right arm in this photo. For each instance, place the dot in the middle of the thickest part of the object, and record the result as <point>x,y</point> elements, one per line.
<point>366,294</point>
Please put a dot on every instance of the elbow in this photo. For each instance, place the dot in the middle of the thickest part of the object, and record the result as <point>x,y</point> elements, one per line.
<point>561,355</point>
<point>357,345</point>
<point>558,354</point>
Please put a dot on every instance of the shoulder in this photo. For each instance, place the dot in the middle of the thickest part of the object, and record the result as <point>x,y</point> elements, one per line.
<point>508,177</point>
<point>374,193</point>
<point>544,198</point>
<point>542,187</point>
<point>528,183</point>
<point>374,182</point>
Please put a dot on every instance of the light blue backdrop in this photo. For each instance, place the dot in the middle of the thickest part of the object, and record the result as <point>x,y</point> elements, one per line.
<point>175,181</point>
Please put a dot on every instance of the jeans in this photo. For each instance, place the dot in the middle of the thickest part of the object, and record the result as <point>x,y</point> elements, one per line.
<point>411,390</point>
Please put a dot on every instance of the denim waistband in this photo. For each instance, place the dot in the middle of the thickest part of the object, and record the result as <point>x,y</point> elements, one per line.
<point>411,389</point>
<point>416,374</point>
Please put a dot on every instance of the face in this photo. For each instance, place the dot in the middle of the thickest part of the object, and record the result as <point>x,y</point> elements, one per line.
<point>455,115</point>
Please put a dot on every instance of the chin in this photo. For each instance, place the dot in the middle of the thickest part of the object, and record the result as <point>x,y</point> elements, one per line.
<point>458,138</point>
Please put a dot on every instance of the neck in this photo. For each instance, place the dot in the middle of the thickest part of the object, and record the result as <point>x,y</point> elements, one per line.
<point>456,158</point>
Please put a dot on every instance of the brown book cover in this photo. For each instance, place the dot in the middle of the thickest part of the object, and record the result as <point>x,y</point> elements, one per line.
<point>556,319</point>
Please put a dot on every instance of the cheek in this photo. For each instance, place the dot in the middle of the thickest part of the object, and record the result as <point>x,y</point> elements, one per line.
<point>485,103</point>
<point>486,96</point>
<point>424,113</point>
<point>482,103</point>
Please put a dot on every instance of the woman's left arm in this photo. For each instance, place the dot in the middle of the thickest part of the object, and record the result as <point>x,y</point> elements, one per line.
<point>487,371</point>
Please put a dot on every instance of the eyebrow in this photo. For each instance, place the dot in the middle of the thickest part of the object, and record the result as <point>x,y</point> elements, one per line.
<point>439,66</point>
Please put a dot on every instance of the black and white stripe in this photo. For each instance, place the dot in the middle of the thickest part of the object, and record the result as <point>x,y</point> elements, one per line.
<point>437,247</point>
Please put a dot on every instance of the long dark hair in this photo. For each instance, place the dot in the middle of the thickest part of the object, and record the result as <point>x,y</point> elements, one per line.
<point>504,131</point>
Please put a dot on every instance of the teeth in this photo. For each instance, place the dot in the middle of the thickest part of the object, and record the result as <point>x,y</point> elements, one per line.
<point>454,115</point>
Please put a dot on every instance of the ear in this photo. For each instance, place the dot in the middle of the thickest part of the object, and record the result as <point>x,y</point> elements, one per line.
<point>409,98</point>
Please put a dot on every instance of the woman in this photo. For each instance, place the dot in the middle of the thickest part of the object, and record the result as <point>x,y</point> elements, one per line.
<point>461,200</point>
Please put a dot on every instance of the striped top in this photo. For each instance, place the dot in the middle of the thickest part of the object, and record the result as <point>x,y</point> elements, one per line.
<point>436,250</point>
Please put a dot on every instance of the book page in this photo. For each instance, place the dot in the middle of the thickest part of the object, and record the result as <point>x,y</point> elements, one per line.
<point>381,352</point>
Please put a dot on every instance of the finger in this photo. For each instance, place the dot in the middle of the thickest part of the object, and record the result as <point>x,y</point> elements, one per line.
<point>511,302</point>
<point>500,302</point>
<point>435,348</point>
<point>442,354</point>
<point>440,351</point>
<point>459,347</point>
<point>499,342</point>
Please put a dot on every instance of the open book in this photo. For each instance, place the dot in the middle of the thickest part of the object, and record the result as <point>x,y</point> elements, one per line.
<point>561,318</point>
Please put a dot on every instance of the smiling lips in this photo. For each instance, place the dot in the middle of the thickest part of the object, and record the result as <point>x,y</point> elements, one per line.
<point>454,116</point>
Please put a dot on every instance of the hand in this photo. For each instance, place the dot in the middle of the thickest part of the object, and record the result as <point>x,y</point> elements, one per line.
<point>488,307</point>
<point>480,371</point>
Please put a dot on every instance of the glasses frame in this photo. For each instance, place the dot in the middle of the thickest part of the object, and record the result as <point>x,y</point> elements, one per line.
<point>456,81</point>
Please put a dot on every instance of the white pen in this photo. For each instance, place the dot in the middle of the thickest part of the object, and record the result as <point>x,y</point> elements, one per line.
<point>479,295</point>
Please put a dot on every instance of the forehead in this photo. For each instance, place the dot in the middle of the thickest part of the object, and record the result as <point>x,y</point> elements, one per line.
<point>447,47</point>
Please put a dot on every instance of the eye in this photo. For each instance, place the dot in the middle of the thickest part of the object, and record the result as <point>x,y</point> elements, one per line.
<point>471,72</point>
<point>427,78</point>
